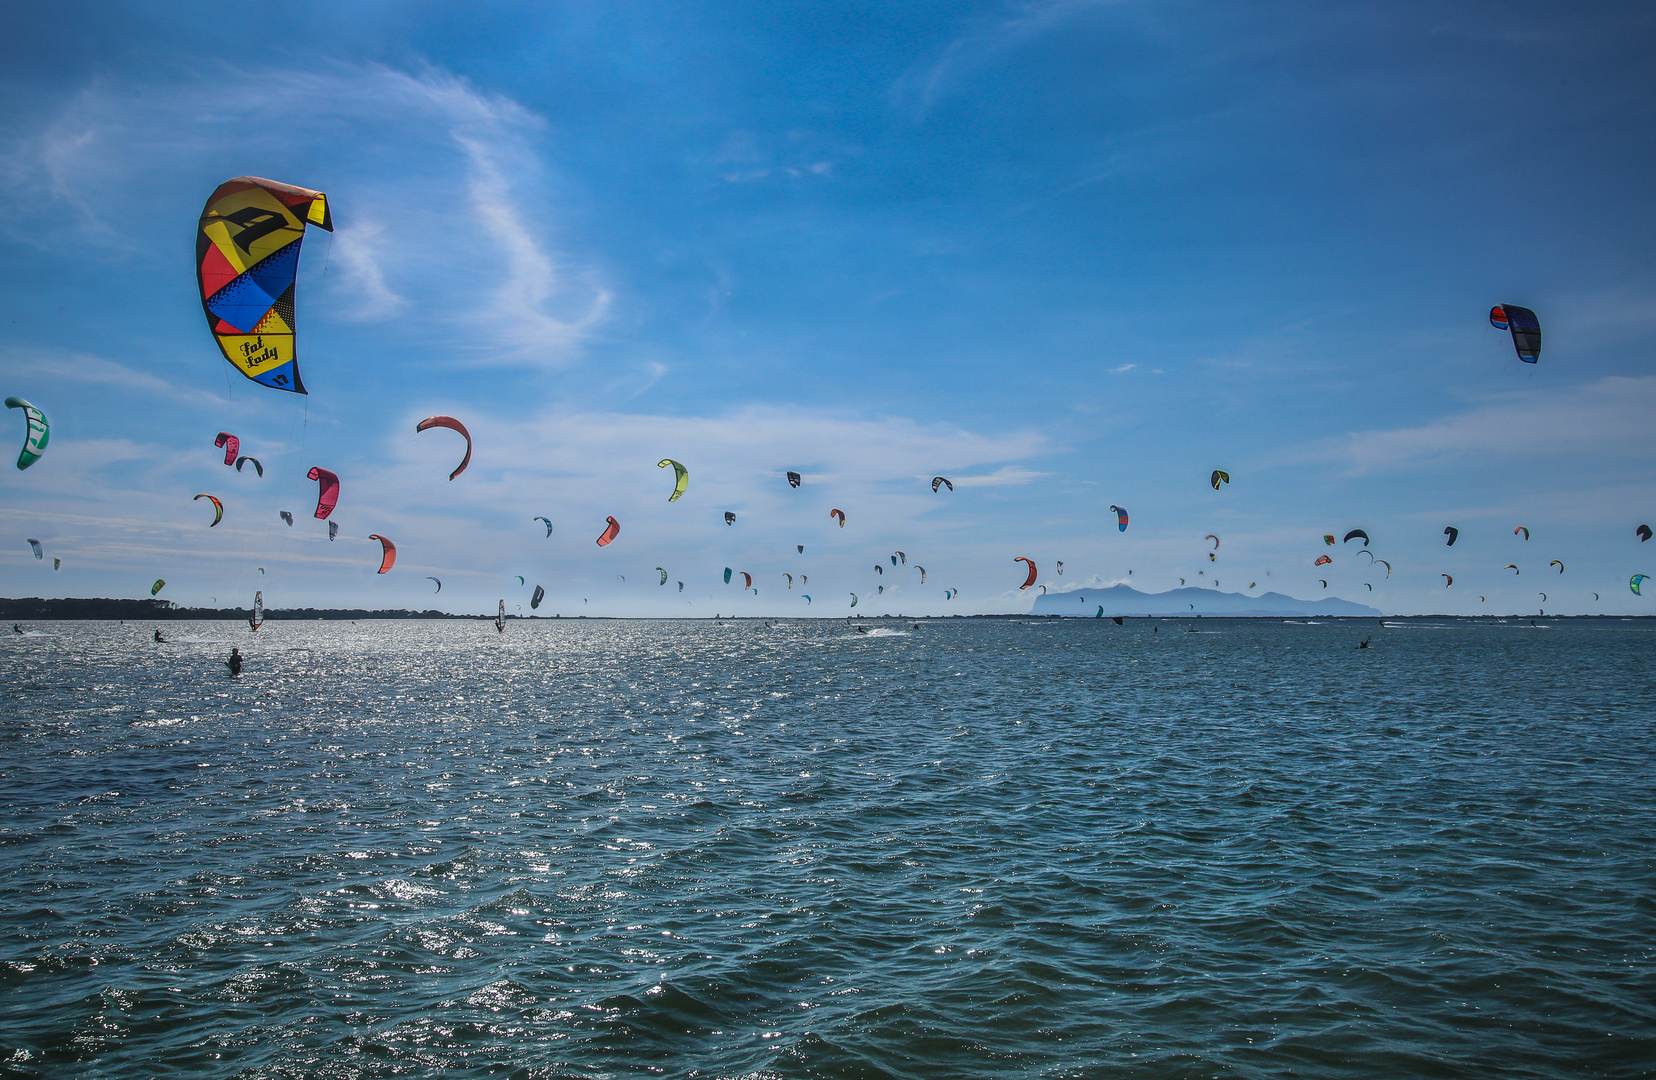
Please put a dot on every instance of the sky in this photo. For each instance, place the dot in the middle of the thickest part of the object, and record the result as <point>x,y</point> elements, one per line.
<point>1068,254</point>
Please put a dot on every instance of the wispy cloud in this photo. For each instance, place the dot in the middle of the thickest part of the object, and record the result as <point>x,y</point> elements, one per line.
<point>1609,415</point>
<point>66,365</point>
<point>470,226</point>
<point>920,88</point>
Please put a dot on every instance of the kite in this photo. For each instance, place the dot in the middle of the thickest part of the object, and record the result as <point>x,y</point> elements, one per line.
<point>1452,533</point>
<point>1100,614</point>
<point>57,564</point>
<point>941,481</point>
<point>388,552</point>
<point>327,490</point>
<point>36,434</point>
<point>681,477</point>
<point>1219,477</point>
<point>663,574</point>
<point>1513,567</point>
<point>727,575</point>
<point>950,594</point>
<point>882,590</point>
<point>1328,539</point>
<point>1043,590</point>
<point>1521,529</point>
<point>231,445</point>
<point>854,598</point>
<point>1354,534</point>
<point>1366,585</point>
<point>439,584</point>
<point>1060,567</point>
<point>922,570</point>
<point>1215,540</point>
<point>1447,580</point>
<point>1383,562</point>
<point>747,579</point>
<point>1642,532</point>
<point>1323,580</point>
<point>161,583</point>
<point>1366,551</point>
<point>256,466</point>
<point>730,517</point>
<point>803,580</point>
<point>794,479</point>
<point>878,569</point>
<point>333,530</point>
<point>790,579</point>
<point>610,533</point>
<point>1633,583</point>
<point>1525,328</point>
<point>901,556</point>
<point>800,548</point>
<point>1030,580</point>
<point>1543,597</point>
<point>1121,517</point>
<point>247,258</point>
<point>218,508</point>
<point>453,425</point>
<point>1322,560</point>
<point>839,514</point>
<point>681,586</point>
<point>1595,596</point>
<point>1212,557</point>
<point>535,600</point>
<point>548,524</point>
<point>35,544</point>
<point>520,580</point>
<point>1558,564</point>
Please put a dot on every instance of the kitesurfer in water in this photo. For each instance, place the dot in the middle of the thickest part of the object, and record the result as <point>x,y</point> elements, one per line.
<point>235,661</point>
<point>1363,644</point>
<point>16,629</point>
<point>159,638</point>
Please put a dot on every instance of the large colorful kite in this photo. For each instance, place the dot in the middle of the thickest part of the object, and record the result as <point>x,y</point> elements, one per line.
<point>247,257</point>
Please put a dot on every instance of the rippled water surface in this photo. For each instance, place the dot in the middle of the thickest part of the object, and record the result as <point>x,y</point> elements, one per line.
<point>977,848</point>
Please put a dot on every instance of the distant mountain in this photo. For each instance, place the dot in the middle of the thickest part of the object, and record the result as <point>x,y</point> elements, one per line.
<point>1126,600</point>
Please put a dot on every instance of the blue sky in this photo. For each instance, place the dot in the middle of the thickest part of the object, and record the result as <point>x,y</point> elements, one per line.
<point>1068,254</point>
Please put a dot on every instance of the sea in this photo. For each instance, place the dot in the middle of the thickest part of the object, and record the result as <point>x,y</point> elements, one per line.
<point>944,848</point>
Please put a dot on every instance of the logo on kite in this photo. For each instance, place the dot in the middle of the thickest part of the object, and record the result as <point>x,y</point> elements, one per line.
<point>1030,580</point>
<point>327,490</point>
<point>1521,529</point>
<point>247,259</point>
<point>453,425</point>
<point>941,481</point>
<point>610,533</point>
<point>1525,328</point>
<point>1355,534</point>
<point>37,432</point>
<point>1121,517</point>
<point>1322,560</point>
<point>388,554</point>
<point>535,600</point>
<point>794,479</point>
<point>231,445</point>
<point>838,514</point>
<point>35,546</point>
<point>1219,477</point>
<point>218,508</point>
<point>161,583</point>
<point>681,477</point>
<point>1452,533</point>
<point>548,524</point>
<point>256,466</point>
<point>730,517</point>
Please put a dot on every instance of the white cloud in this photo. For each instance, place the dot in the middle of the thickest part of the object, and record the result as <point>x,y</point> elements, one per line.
<point>1611,415</point>
<point>72,366</point>
<point>441,192</point>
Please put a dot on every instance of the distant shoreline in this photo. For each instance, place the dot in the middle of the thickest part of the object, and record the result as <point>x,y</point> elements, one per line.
<point>36,609</point>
